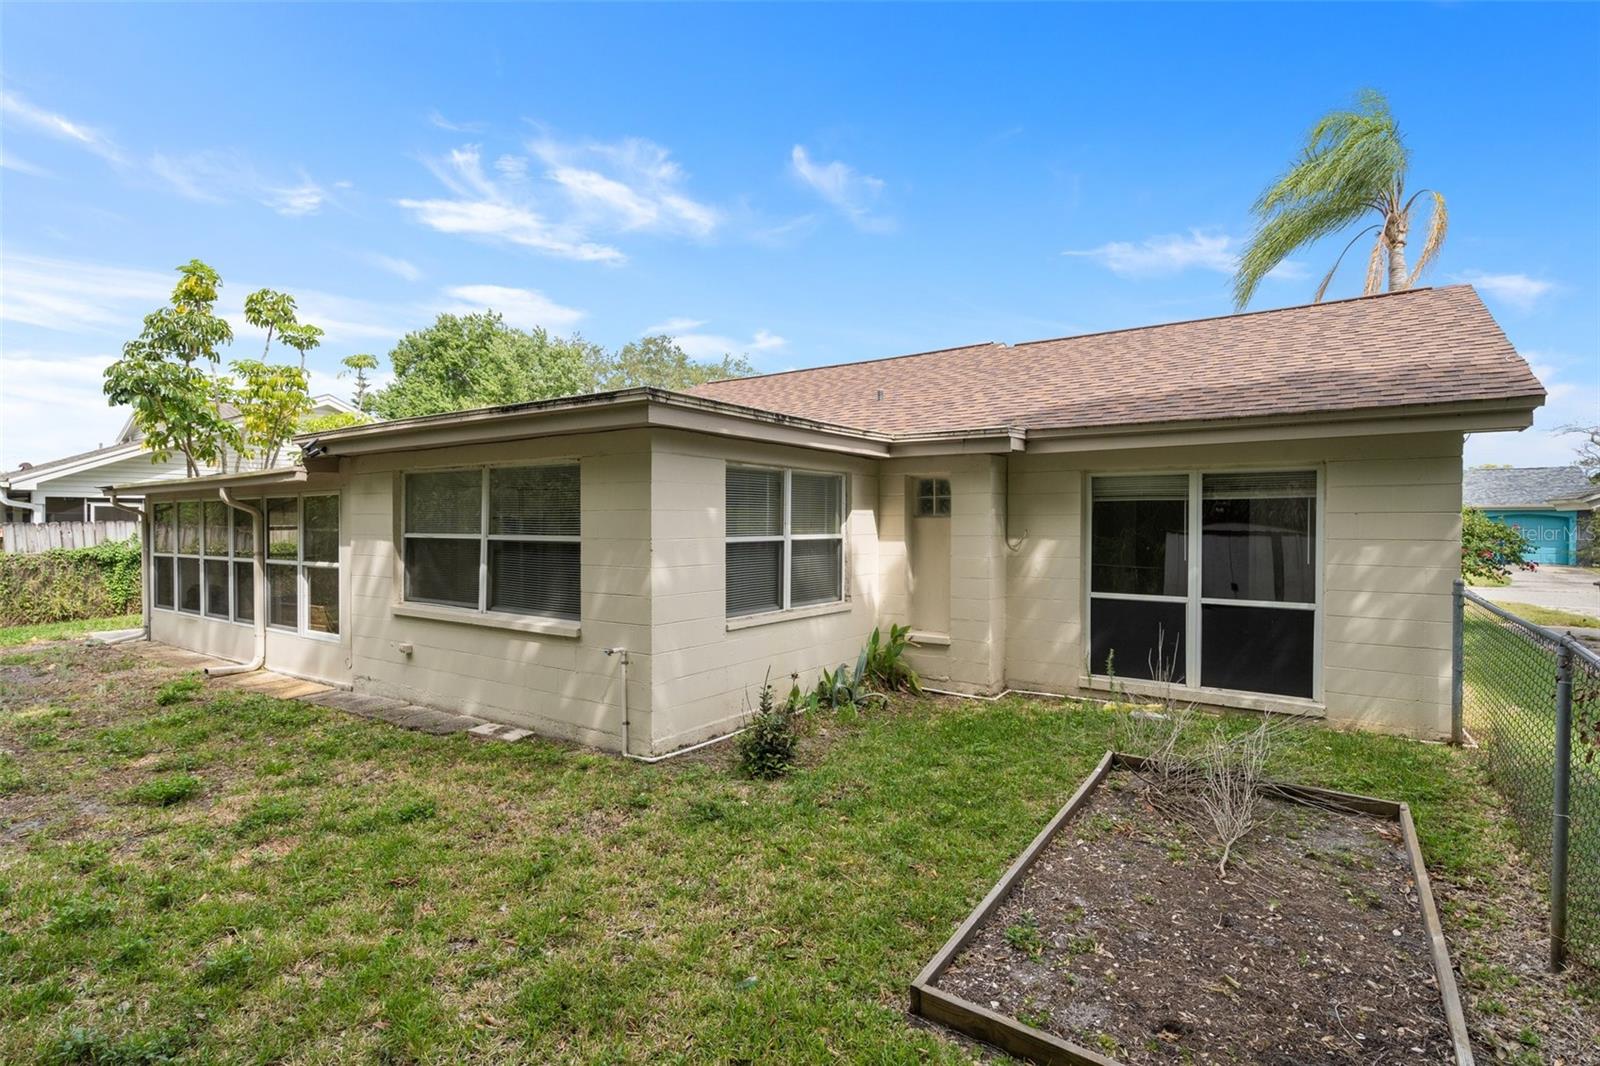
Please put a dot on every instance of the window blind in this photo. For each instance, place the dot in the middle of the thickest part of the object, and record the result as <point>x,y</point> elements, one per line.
<point>815,572</point>
<point>536,501</point>
<point>1142,487</point>
<point>754,502</point>
<point>816,502</point>
<point>444,501</point>
<point>534,577</point>
<point>1268,485</point>
<point>755,577</point>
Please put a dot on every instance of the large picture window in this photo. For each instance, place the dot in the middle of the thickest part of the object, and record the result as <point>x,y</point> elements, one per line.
<point>785,539</point>
<point>1206,578</point>
<point>203,561</point>
<point>495,539</point>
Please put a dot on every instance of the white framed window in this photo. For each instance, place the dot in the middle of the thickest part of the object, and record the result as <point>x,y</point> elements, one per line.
<point>202,553</point>
<point>1207,579</point>
<point>495,539</point>
<point>785,539</point>
<point>933,497</point>
<point>303,564</point>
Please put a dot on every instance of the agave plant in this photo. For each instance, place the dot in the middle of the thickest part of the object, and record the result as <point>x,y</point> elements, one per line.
<point>883,662</point>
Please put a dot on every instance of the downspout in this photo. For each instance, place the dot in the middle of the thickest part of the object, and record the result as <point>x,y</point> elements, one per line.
<point>258,539</point>
<point>144,569</point>
<point>23,505</point>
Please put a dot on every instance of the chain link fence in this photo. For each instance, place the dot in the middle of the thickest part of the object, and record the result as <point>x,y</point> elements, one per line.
<point>1530,698</point>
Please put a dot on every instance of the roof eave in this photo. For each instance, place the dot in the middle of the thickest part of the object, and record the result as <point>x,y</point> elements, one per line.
<point>282,475</point>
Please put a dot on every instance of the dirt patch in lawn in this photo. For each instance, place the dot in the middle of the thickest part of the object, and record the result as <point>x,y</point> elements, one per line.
<point>1124,939</point>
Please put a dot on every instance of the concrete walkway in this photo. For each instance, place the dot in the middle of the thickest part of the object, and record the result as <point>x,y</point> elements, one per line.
<point>281,686</point>
<point>1562,588</point>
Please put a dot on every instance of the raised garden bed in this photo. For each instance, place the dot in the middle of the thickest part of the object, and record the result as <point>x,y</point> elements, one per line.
<point>1114,940</point>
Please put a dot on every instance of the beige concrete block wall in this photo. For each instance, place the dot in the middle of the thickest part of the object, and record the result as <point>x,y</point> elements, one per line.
<point>706,675</point>
<point>1391,522</point>
<point>562,686</point>
<point>974,659</point>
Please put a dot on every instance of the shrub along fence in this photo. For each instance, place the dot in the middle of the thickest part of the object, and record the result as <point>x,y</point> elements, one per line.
<point>1530,697</point>
<point>64,585</point>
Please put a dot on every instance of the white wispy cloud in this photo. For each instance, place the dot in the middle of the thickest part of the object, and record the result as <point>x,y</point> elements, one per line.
<point>1173,253</point>
<point>1518,290</point>
<point>631,184</point>
<point>523,308</point>
<point>485,208</point>
<point>566,199</point>
<point>21,166</point>
<point>1168,254</point>
<point>404,269</point>
<point>852,193</point>
<point>687,334</point>
<point>75,297</point>
<point>217,177</point>
<point>20,111</point>
<point>438,120</point>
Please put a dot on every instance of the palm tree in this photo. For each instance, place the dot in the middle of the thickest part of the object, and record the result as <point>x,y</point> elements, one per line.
<point>1353,167</point>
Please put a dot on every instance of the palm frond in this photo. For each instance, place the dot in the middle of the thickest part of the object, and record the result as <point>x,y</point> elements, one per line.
<point>1322,290</point>
<point>1374,282</point>
<point>1352,160</point>
<point>1438,224</point>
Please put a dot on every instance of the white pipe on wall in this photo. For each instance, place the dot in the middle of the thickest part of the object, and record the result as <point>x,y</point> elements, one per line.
<point>258,524</point>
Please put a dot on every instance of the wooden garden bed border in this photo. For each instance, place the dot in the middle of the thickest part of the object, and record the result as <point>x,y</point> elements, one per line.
<point>1025,1041</point>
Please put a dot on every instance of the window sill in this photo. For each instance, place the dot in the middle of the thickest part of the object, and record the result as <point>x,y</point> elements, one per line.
<point>520,623</point>
<point>929,640</point>
<point>750,621</point>
<point>1212,697</point>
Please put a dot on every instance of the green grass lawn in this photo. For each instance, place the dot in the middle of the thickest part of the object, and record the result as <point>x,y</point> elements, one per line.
<point>1549,616</point>
<point>244,879</point>
<point>11,636</point>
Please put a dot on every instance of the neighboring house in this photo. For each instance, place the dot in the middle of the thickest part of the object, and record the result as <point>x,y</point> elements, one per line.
<point>72,489</point>
<point>1546,503</point>
<point>1264,510</point>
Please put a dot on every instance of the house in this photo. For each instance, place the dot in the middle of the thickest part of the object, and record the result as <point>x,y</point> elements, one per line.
<point>1258,511</point>
<point>1545,503</point>
<point>70,489</point>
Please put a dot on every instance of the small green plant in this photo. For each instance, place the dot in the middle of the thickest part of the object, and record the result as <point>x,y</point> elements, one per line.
<point>767,745</point>
<point>182,690</point>
<point>164,791</point>
<point>884,662</point>
<point>1024,935</point>
<point>1490,549</point>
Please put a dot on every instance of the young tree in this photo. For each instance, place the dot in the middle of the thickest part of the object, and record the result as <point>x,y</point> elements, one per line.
<point>1353,166</point>
<point>181,403</point>
<point>166,375</point>
<point>358,365</point>
<point>476,360</point>
<point>1490,548</point>
<point>658,362</point>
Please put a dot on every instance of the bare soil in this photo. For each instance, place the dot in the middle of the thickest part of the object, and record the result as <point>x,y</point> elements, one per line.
<point>1125,939</point>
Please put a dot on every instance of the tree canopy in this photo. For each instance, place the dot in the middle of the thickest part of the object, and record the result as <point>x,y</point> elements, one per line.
<point>477,360</point>
<point>1353,166</point>
<point>182,402</point>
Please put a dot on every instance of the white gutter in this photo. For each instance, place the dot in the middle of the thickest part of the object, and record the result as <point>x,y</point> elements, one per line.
<point>29,505</point>
<point>259,573</point>
<point>144,571</point>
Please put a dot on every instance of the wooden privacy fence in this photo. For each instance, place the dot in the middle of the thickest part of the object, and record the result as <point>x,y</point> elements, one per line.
<point>27,538</point>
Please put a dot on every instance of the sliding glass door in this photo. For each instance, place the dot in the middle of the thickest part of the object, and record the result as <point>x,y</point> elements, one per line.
<point>1206,576</point>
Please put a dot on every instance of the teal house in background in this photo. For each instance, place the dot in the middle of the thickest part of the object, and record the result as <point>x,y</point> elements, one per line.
<point>1544,502</point>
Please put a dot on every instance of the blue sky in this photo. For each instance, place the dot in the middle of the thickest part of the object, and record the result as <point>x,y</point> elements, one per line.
<point>802,185</point>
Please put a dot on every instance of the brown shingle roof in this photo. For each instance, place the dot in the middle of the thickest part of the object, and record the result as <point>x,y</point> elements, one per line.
<point>1425,346</point>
